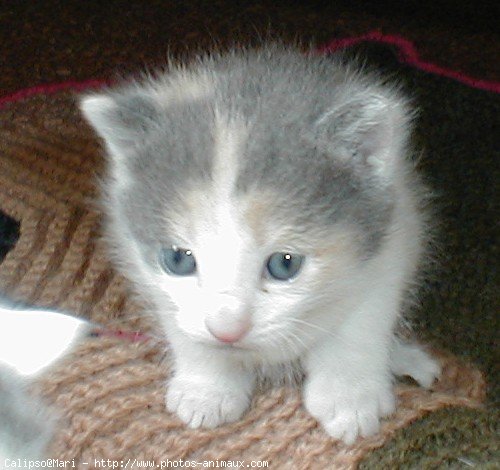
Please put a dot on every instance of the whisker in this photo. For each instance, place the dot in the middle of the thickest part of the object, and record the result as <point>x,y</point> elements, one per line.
<point>320,328</point>
<point>308,349</point>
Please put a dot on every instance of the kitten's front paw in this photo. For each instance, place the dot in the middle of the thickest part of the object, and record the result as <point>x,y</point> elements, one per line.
<point>204,404</point>
<point>348,410</point>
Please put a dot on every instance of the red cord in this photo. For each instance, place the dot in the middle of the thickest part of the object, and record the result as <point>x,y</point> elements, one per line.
<point>408,54</point>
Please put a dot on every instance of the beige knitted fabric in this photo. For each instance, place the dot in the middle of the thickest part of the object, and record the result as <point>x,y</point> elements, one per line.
<point>110,392</point>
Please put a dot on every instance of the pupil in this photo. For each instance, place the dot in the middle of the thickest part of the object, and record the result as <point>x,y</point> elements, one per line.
<point>177,256</point>
<point>287,261</point>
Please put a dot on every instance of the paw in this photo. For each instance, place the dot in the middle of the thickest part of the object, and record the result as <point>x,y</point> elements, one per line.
<point>203,404</point>
<point>425,370</point>
<point>347,411</point>
<point>412,360</point>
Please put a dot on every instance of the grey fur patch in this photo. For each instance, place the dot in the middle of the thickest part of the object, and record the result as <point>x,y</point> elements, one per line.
<point>177,156</point>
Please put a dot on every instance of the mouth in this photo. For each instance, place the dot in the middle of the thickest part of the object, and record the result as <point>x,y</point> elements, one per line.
<point>219,345</point>
<point>231,347</point>
<point>234,347</point>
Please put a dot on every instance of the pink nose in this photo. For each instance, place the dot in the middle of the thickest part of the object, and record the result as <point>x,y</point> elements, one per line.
<point>227,332</point>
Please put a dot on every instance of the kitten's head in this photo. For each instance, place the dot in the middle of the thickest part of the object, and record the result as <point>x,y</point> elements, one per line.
<point>247,193</point>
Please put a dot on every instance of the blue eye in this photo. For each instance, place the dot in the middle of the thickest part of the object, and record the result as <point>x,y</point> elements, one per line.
<point>177,261</point>
<point>284,266</point>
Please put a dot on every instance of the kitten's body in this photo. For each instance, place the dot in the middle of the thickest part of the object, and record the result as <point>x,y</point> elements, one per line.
<point>26,426</point>
<point>255,153</point>
<point>31,342</point>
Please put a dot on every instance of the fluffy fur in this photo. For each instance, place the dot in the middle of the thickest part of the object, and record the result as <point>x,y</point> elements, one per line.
<point>31,341</point>
<point>25,424</point>
<point>241,155</point>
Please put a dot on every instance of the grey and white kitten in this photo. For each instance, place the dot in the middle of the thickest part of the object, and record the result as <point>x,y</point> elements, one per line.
<point>31,342</point>
<point>263,201</point>
<point>26,425</point>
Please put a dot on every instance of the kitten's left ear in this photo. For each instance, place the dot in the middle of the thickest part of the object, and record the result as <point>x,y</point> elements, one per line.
<point>369,129</point>
<point>121,119</point>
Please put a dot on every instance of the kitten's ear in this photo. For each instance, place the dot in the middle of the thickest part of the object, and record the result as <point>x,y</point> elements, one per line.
<point>122,120</point>
<point>371,130</point>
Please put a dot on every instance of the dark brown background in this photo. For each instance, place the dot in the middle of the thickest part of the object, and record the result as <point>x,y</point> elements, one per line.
<point>54,40</point>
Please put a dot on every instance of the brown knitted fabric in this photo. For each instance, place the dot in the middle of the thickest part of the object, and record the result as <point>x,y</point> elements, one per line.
<point>110,393</point>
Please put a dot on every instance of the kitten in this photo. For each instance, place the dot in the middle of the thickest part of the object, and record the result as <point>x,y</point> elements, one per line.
<point>26,425</point>
<point>31,341</point>
<point>263,201</point>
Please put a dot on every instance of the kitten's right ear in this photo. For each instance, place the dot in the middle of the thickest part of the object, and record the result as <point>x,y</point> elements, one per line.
<point>122,120</point>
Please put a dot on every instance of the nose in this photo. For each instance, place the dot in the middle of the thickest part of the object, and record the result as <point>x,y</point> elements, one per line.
<point>226,329</point>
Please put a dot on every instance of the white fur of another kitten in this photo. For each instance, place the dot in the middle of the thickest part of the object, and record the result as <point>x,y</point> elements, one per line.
<point>264,203</point>
<point>31,342</point>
